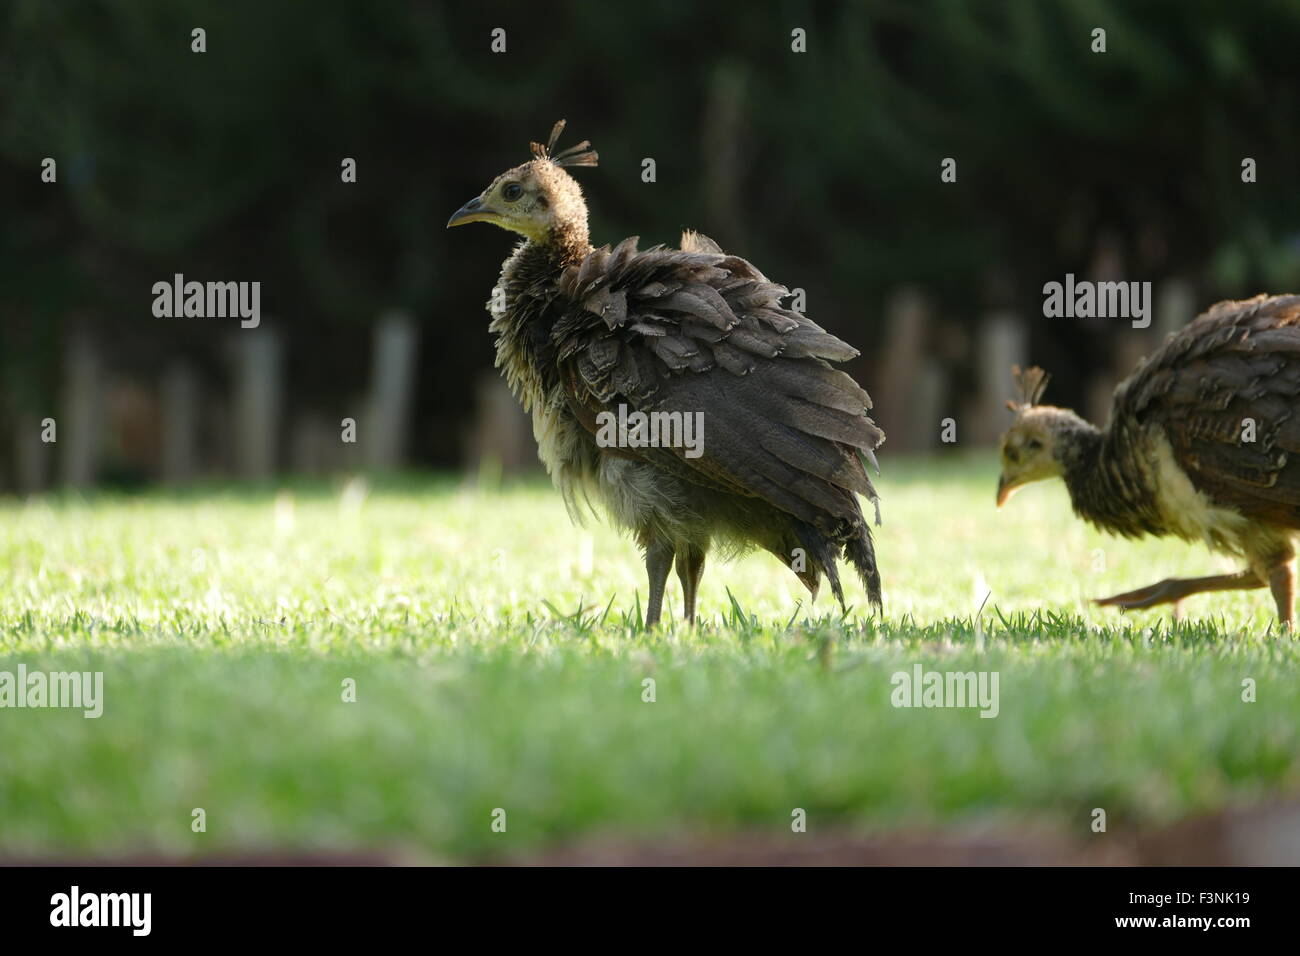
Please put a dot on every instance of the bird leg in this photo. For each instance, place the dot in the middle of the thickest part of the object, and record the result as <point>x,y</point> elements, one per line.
<point>1281,581</point>
<point>690,568</point>
<point>658,562</point>
<point>1175,589</point>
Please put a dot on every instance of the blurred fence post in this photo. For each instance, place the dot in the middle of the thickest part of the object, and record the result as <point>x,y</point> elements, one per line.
<point>908,385</point>
<point>1098,396</point>
<point>79,428</point>
<point>1175,306</point>
<point>722,151</point>
<point>180,423</point>
<point>392,383</point>
<point>925,405</point>
<point>258,401</point>
<point>1000,344</point>
<point>31,455</point>
<point>314,445</point>
<point>501,439</point>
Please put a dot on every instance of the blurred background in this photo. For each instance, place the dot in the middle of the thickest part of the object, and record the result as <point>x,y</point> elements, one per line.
<point>823,167</point>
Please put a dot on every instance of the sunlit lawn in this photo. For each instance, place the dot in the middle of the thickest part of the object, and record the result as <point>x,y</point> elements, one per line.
<point>498,664</point>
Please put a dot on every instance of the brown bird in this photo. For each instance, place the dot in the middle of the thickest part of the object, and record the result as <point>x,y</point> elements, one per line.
<point>673,387</point>
<point>1203,443</point>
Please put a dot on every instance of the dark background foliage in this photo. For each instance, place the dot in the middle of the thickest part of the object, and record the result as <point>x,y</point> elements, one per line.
<point>823,167</point>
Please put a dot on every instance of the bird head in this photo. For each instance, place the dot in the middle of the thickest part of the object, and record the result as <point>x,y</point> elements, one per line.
<point>1032,448</point>
<point>538,199</point>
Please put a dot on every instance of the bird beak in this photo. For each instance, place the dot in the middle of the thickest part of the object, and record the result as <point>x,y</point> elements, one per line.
<point>1005,489</point>
<point>473,211</point>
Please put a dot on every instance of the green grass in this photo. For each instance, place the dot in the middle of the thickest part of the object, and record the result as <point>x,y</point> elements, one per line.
<point>498,663</point>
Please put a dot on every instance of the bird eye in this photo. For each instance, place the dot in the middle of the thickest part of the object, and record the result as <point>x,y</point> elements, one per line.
<point>1033,444</point>
<point>512,192</point>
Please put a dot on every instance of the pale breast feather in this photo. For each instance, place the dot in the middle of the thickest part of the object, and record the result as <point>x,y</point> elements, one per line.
<point>1186,511</point>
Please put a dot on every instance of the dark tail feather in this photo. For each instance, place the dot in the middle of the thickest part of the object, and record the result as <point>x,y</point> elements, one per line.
<point>862,555</point>
<point>809,572</point>
<point>821,555</point>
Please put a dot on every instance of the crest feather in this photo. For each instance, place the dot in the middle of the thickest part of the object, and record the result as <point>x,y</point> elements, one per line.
<point>1030,383</point>
<point>580,155</point>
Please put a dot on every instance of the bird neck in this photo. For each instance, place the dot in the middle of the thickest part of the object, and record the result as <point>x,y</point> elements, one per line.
<point>535,264</point>
<point>1108,483</point>
<point>522,313</point>
<point>567,243</point>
